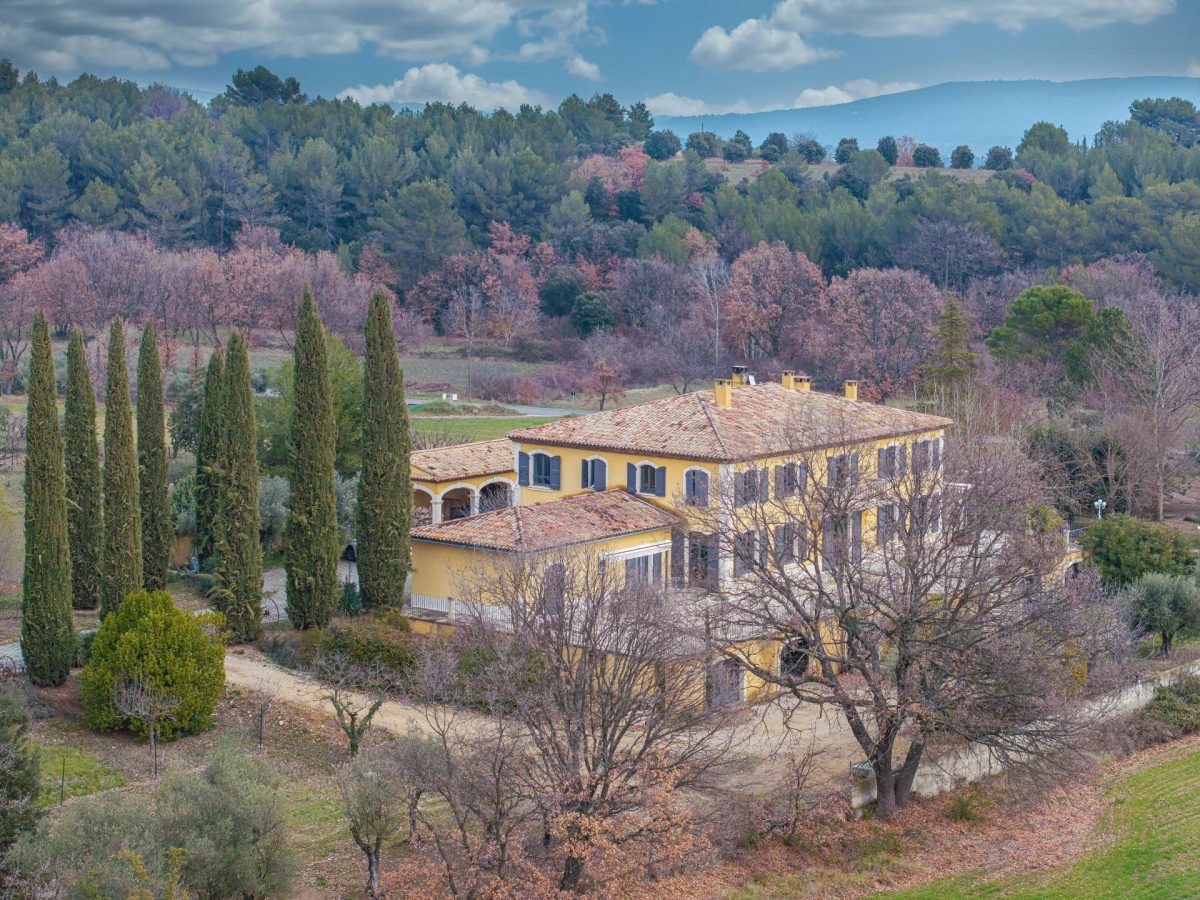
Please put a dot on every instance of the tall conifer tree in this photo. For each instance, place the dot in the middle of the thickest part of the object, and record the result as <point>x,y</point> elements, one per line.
<point>155,501</point>
<point>238,590</point>
<point>312,537</point>
<point>85,528</point>
<point>121,561</point>
<point>385,485</point>
<point>209,452</point>
<point>47,632</point>
<point>953,361</point>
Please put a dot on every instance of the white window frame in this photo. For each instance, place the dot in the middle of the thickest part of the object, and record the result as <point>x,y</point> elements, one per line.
<point>711,479</point>
<point>590,460</point>
<point>637,469</point>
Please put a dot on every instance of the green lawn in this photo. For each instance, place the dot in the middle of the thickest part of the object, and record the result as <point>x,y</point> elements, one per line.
<point>472,428</point>
<point>1150,843</point>
<point>84,774</point>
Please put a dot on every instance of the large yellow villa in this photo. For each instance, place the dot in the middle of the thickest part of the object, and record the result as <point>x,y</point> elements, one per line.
<point>635,487</point>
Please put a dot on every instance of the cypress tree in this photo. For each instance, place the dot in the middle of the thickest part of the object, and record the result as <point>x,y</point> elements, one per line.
<point>312,538</point>
<point>155,502</point>
<point>47,631</point>
<point>385,485</point>
<point>238,589</point>
<point>85,528</point>
<point>208,456</point>
<point>121,561</point>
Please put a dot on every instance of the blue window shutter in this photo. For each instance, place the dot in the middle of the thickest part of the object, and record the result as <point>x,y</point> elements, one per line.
<point>631,478</point>
<point>523,469</point>
<point>584,480</point>
<point>764,485</point>
<point>702,487</point>
<point>902,459</point>
<point>599,475</point>
<point>660,481</point>
<point>555,472</point>
<point>781,490</point>
<point>739,488</point>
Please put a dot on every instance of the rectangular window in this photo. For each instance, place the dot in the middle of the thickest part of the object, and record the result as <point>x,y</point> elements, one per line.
<point>789,480</point>
<point>889,461</point>
<point>702,560</point>
<point>786,544</point>
<point>927,456</point>
<point>843,470</point>
<point>696,488</point>
<point>885,523</point>
<point>541,470</point>
<point>743,552</point>
<point>646,569</point>
<point>595,475</point>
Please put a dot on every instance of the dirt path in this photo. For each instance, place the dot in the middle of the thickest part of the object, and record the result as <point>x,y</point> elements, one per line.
<point>249,669</point>
<point>763,738</point>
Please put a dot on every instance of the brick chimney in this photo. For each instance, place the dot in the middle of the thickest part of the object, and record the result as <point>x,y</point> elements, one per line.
<point>851,390</point>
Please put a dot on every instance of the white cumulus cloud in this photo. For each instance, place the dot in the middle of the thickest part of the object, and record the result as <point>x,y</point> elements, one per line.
<point>582,68</point>
<point>443,82</point>
<point>858,89</point>
<point>756,45</point>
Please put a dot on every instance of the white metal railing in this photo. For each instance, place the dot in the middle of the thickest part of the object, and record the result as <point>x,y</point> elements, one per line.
<point>443,605</point>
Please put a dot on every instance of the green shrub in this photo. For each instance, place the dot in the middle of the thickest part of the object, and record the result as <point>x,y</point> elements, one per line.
<point>966,805</point>
<point>351,602</point>
<point>19,771</point>
<point>1125,548</point>
<point>373,641</point>
<point>294,649</point>
<point>83,647</point>
<point>1175,707</point>
<point>149,640</point>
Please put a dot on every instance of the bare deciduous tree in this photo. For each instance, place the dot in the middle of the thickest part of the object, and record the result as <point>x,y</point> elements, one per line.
<point>373,806</point>
<point>356,692</point>
<point>944,620</point>
<point>147,705</point>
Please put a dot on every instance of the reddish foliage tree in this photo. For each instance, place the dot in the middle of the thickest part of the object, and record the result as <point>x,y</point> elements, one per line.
<point>771,302</point>
<point>880,326</point>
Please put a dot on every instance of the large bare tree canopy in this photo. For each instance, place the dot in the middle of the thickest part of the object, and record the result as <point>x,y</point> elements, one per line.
<point>950,622</point>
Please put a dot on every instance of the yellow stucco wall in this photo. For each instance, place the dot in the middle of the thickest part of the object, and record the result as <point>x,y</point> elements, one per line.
<point>442,570</point>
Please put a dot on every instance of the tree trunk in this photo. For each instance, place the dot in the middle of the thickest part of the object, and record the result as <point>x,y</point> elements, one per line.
<point>373,872</point>
<point>908,773</point>
<point>885,790</point>
<point>572,874</point>
<point>1167,640</point>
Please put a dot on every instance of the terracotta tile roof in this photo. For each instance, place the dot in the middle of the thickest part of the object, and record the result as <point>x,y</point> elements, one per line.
<point>579,519</point>
<point>763,420</point>
<point>464,460</point>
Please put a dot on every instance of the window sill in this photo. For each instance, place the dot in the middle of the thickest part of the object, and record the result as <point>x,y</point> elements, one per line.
<point>539,487</point>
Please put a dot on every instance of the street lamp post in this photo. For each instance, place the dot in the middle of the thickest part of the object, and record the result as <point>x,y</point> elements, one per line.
<point>1099,506</point>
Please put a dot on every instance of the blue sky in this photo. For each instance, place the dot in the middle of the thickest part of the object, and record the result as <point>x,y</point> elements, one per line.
<point>681,56</point>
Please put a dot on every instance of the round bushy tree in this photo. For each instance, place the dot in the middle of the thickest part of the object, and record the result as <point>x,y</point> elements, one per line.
<point>209,450</point>
<point>238,589</point>
<point>846,148</point>
<point>176,656</point>
<point>1124,549</point>
<point>591,313</point>
<point>121,561</point>
<point>47,632</point>
<point>662,145</point>
<point>999,159</point>
<point>385,486</point>
<point>1166,605</point>
<point>962,157</point>
<point>85,527</point>
<point>926,157</point>
<point>311,546</point>
<point>154,497</point>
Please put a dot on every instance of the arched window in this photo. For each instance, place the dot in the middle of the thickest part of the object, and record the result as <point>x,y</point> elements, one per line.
<point>795,656</point>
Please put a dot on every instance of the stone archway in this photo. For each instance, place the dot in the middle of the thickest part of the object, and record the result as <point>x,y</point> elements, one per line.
<point>495,495</point>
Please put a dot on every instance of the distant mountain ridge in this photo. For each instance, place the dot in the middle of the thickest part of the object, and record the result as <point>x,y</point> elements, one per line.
<point>980,114</point>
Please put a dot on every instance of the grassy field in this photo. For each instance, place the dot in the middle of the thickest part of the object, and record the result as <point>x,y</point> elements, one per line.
<point>476,428</point>
<point>1148,845</point>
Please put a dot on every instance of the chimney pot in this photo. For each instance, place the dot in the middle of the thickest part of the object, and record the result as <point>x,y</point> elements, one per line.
<point>851,390</point>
